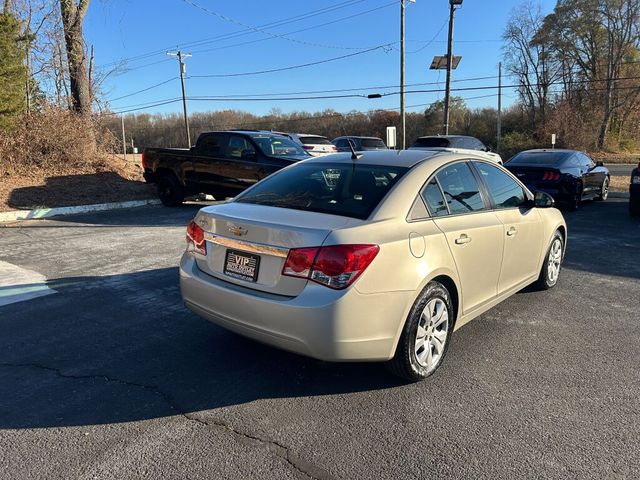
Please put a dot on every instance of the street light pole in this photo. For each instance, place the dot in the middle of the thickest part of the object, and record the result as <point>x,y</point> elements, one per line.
<point>183,69</point>
<point>447,95</point>
<point>402,112</point>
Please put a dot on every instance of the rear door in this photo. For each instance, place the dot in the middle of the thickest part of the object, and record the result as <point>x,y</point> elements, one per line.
<point>208,160</point>
<point>522,226</point>
<point>474,232</point>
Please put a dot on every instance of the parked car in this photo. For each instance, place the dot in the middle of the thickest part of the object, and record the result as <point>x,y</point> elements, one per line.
<point>456,144</point>
<point>360,144</point>
<point>568,176</point>
<point>634,192</point>
<point>221,164</point>
<point>316,145</point>
<point>371,259</point>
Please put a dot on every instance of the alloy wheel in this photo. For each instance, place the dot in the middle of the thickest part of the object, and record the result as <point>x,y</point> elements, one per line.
<point>431,336</point>
<point>555,259</point>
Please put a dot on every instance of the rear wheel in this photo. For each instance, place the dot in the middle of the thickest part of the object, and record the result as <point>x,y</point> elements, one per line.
<point>170,191</point>
<point>550,271</point>
<point>604,190</point>
<point>426,334</point>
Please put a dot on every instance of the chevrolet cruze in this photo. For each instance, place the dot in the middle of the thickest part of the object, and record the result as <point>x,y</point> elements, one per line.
<point>371,257</point>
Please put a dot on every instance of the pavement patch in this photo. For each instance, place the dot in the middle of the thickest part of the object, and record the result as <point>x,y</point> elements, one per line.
<point>19,284</point>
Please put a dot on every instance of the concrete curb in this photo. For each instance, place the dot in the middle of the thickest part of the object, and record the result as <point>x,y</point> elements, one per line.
<point>14,215</point>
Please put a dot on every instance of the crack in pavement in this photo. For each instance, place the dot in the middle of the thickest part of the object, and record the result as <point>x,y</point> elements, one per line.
<point>281,451</point>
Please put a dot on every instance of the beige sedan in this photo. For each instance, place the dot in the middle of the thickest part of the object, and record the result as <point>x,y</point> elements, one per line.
<point>370,257</point>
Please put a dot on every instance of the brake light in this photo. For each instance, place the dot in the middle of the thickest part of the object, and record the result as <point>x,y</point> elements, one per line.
<point>551,176</point>
<point>142,161</point>
<point>195,238</point>
<point>307,147</point>
<point>334,148</point>
<point>335,266</point>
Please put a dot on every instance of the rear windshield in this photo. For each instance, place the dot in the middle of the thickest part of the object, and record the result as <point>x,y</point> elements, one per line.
<point>372,143</point>
<point>432,142</point>
<point>278,145</point>
<point>315,140</point>
<point>539,158</point>
<point>336,188</point>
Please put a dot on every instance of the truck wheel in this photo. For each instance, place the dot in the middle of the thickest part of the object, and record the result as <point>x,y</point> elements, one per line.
<point>170,191</point>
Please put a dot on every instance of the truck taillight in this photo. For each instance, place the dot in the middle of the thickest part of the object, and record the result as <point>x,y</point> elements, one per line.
<point>334,266</point>
<point>142,161</point>
<point>195,239</point>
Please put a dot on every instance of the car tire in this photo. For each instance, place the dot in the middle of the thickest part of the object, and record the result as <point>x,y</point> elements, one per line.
<point>575,202</point>
<point>550,271</point>
<point>426,335</point>
<point>170,191</point>
<point>604,190</point>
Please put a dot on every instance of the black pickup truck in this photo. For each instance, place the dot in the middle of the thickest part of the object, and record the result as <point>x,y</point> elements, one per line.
<point>221,164</point>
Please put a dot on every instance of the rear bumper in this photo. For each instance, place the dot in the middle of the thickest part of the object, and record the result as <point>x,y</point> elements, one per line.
<point>149,176</point>
<point>330,325</point>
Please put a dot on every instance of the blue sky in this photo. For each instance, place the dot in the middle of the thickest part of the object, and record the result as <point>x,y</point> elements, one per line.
<point>219,35</point>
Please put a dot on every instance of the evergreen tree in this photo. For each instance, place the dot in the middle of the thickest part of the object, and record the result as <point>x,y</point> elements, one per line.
<point>12,70</point>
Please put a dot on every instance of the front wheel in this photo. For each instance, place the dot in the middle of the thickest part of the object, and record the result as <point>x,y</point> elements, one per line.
<point>550,271</point>
<point>604,190</point>
<point>426,334</point>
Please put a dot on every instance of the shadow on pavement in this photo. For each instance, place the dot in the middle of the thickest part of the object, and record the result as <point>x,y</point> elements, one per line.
<point>123,348</point>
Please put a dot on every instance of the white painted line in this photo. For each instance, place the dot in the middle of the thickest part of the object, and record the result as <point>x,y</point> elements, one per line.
<point>19,284</point>
<point>15,215</point>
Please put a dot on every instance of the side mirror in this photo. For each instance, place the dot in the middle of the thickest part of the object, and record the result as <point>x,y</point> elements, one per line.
<point>543,200</point>
<point>599,164</point>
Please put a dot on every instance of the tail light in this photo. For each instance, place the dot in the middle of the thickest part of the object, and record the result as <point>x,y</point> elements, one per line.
<point>334,148</point>
<point>195,239</point>
<point>335,266</point>
<point>142,161</point>
<point>551,176</point>
<point>307,147</point>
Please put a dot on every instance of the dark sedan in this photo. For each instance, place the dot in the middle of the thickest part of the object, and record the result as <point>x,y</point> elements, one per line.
<point>568,176</point>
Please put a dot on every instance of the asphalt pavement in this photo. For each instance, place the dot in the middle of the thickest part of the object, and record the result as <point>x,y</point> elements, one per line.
<point>620,170</point>
<point>104,373</point>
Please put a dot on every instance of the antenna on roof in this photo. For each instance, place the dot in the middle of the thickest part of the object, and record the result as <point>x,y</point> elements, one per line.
<point>354,155</point>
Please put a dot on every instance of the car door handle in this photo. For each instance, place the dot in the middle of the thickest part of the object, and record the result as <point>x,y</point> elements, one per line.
<point>462,239</point>
<point>512,231</point>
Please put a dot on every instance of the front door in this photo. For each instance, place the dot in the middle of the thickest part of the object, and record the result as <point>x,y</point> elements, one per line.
<point>522,226</point>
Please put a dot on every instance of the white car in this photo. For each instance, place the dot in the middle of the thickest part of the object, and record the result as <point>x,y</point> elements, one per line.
<point>456,144</point>
<point>371,257</point>
<point>316,145</point>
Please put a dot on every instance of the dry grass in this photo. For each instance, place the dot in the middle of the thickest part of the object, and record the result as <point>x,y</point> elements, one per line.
<point>619,184</point>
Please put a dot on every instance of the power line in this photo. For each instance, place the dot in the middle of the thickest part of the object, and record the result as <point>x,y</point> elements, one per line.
<point>227,36</point>
<point>291,67</point>
<point>143,90</point>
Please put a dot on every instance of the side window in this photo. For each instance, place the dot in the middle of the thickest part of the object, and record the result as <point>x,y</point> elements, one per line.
<point>211,145</point>
<point>342,143</point>
<point>418,210</point>
<point>432,196</point>
<point>460,188</point>
<point>239,147</point>
<point>505,192</point>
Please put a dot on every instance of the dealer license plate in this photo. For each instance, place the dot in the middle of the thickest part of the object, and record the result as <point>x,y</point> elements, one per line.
<point>241,265</point>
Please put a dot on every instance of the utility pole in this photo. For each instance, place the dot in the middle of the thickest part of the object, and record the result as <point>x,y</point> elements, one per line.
<point>183,69</point>
<point>499,126</point>
<point>124,141</point>
<point>447,95</point>
<point>402,112</point>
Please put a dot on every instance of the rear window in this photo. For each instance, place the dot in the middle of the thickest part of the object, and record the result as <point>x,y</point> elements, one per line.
<point>335,188</point>
<point>315,141</point>
<point>278,145</point>
<point>432,142</point>
<point>372,143</point>
<point>539,158</point>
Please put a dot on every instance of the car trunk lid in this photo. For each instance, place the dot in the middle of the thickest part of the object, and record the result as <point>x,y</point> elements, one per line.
<point>248,244</point>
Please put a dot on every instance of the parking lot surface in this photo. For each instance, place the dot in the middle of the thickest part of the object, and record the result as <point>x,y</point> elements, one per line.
<point>104,374</point>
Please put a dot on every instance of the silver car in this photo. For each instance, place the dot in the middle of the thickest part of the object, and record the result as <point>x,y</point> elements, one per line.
<point>372,257</point>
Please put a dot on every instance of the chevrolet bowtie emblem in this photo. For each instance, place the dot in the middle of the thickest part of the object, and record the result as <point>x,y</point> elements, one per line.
<point>236,230</point>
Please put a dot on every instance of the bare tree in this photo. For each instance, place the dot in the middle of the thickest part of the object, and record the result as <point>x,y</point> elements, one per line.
<point>73,13</point>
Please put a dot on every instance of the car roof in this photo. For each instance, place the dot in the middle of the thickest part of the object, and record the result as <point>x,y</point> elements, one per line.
<point>357,136</point>
<point>403,158</point>
<point>308,135</point>
<point>246,132</point>
<point>446,136</point>
<point>551,150</point>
